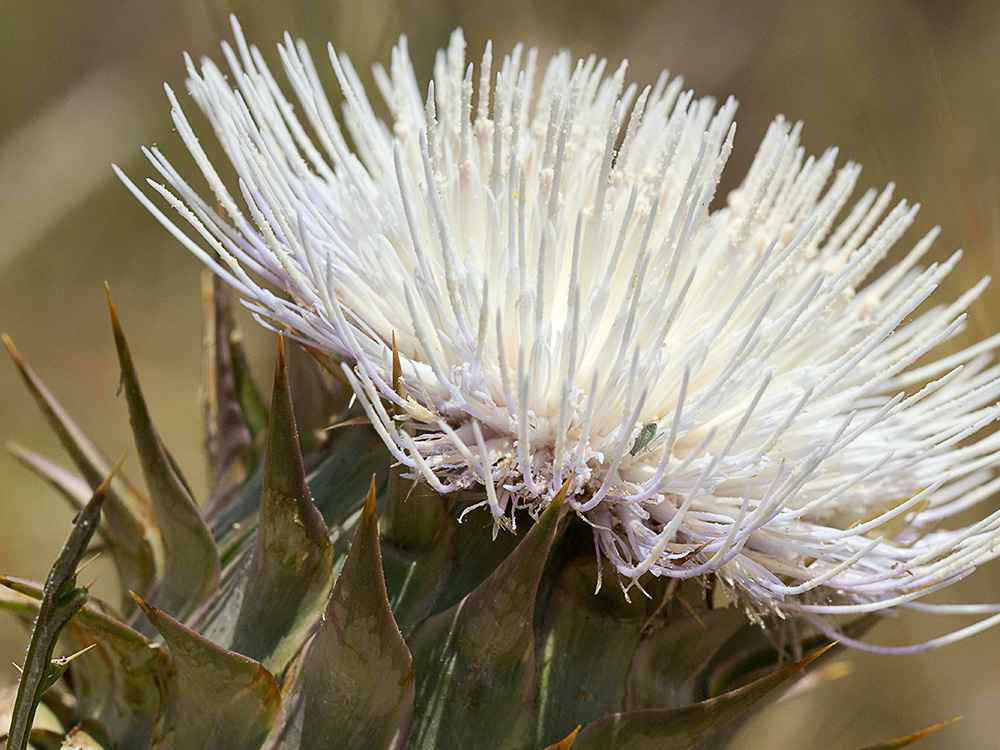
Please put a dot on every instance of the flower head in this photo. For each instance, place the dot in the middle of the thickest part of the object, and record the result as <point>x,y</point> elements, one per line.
<point>731,391</point>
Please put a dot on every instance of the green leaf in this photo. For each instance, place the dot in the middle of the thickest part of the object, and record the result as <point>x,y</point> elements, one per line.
<point>417,532</point>
<point>338,486</point>
<point>190,561</point>
<point>911,738</point>
<point>222,699</point>
<point>681,728</point>
<point>585,651</point>
<point>476,551</point>
<point>751,653</point>
<point>475,662</point>
<point>340,483</point>
<point>128,529</point>
<point>668,668</point>
<point>60,600</point>
<point>229,443</point>
<point>57,668</point>
<point>233,522</point>
<point>290,572</point>
<point>353,687</point>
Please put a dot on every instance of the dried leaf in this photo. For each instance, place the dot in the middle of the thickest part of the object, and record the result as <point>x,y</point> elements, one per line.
<point>87,735</point>
<point>229,441</point>
<point>566,743</point>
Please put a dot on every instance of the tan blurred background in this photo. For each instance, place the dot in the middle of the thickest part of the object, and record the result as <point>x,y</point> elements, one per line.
<point>909,89</point>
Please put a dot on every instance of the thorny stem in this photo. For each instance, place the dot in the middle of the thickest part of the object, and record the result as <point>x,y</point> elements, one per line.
<point>61,598</point>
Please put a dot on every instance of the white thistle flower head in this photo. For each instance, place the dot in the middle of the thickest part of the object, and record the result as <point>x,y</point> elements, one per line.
<point>728,391</point>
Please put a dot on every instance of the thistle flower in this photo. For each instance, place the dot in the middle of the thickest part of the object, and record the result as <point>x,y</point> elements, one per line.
<point>526,280</point>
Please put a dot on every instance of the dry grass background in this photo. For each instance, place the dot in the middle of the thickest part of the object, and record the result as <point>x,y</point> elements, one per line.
<point>909,89</point>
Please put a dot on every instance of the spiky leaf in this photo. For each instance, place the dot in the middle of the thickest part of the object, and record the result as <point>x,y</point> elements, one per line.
<point>681,728</point>
<point>339,484</point>
<point>250,399</point>
<point>318,398</point>
<point>585,651</point>
<point>668,665</point>
<point>191,563</point>
<point>222,700</point>
<point>290,571</point>
<point>353,687</point>
<point>477,551</point>
<point>475,662</point>
<point>417,533</point>
<point>71,486</point>
<point>128,529</point>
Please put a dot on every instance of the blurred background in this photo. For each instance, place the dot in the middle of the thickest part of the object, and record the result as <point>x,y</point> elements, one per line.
<point>909,89</point>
